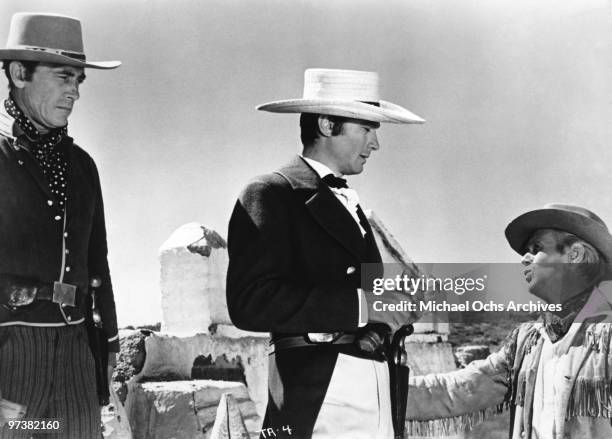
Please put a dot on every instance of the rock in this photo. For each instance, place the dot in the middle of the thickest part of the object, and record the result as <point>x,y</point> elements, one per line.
<point>466,354</point>
<point>132,355</point>
<point>228,421</point>
<point>162,410</point>
<point>130,360</point>
<point>183,409</point>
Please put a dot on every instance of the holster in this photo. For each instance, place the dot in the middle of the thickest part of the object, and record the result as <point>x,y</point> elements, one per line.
<point>99,348</point>
<point>373,340</point>
<point>399,374</point>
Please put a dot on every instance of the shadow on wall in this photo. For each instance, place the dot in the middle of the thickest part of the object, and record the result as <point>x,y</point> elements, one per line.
<point>204,368</point>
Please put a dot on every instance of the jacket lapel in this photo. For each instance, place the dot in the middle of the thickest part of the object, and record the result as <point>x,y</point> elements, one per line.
<point>35,171</point>
<point>372,252</point>
<point>324,207</point>
<point>335,219</point>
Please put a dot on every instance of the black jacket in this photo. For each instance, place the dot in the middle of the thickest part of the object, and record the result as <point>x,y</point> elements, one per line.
<point>295,256</point>
<point>39,243</point>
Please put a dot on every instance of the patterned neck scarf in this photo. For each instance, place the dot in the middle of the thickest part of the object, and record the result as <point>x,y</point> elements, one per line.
<point>46,150</point>
<point>557,324</point>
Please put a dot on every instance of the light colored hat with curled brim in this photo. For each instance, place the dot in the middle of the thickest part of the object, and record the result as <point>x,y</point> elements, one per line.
<point>566,217</point>
<point>347,93</point>
<point>48,38</point>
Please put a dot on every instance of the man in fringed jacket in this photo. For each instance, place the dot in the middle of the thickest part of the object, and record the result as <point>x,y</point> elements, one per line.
<point>553,375</point>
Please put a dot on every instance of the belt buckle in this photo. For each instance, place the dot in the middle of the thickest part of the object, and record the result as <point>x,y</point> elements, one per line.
<point>323,337</point>
<point>64,294</point>
<point>20,295</point>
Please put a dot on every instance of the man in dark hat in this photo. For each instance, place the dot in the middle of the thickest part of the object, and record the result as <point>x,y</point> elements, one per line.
<point>52,233</point>
<point>554,374</point>
<point>296,241</point>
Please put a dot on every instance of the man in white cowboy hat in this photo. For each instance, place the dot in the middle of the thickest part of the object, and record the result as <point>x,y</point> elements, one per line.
<point>52,233</point>
<point>554,374</point>
<point>297,238</point>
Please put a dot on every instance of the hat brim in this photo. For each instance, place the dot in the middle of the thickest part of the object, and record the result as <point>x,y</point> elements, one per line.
<point>387,112</point>
<point>520,229</point>
<point>54,58</point>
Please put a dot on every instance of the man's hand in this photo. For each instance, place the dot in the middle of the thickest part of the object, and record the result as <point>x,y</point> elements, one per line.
<point>379,313</point>
<point>10,411</point>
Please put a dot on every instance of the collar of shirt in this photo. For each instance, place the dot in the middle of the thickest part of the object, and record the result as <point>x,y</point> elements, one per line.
<point>347,196</point>
<point>25,141</point>
<point>319,167</point>
<point>10,127</point>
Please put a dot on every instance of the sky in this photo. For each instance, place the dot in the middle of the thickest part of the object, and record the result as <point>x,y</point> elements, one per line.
<point>517,96</point>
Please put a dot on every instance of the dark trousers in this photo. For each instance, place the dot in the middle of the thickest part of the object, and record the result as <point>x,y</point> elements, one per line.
<point>51,371</point>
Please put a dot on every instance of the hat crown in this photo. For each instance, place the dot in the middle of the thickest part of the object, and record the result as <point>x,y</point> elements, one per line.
<point>578,210</point>
<point>50,31</point>
<point>341,85</point>
<point>351,94</point>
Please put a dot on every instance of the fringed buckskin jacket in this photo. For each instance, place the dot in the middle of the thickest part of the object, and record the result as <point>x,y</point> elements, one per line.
<point>448,403</point>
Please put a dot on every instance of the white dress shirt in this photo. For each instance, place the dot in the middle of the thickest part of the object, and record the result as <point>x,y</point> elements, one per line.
<point>347,196</point>
<point>349,199</point>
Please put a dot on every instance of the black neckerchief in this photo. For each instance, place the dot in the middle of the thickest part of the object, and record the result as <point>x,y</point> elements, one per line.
<point>558,323</point>
<point>46,150</point>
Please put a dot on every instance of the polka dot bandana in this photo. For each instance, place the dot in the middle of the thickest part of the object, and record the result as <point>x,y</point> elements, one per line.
<point>46,150</point>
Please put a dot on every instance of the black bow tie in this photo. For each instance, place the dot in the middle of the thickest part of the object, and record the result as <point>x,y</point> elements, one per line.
<point>333,181</point>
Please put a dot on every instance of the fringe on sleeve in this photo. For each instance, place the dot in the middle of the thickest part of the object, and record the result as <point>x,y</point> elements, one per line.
<point>592,395</point>
<point>460,424</point>
<point>592,398</point>
<point>451,426</point>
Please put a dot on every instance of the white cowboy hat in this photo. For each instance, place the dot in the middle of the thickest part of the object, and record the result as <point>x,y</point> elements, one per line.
<point>348,93</point>
<point>49,38</point>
